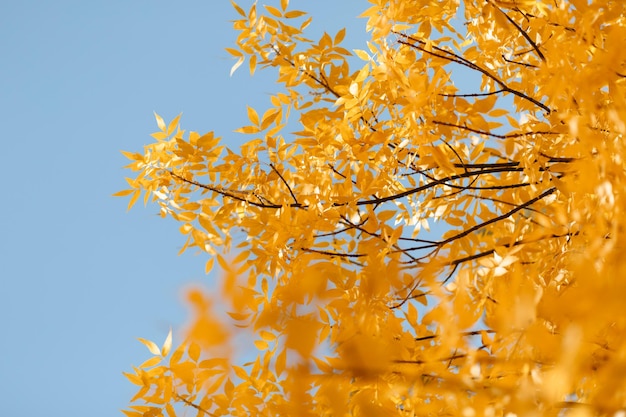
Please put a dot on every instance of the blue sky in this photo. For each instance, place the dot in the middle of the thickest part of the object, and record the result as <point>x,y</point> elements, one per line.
<point>80,277</point>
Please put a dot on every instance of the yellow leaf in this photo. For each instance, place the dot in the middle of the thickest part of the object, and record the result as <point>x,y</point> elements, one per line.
<point>362,54</point>
<point>237,8</point>
<point>240,372</point>
<point>160,122</point>
<point>159,135</point>
<point>237,65</point>
<point>122,193</point>
<point>273,10</point>
<point>265,335</point>
<point>167,345</point>
<point>133,199</point>
<point>252,64</point>
<point>134,156</point>
<point>177,355</point>
<point>247,130</point>
<point>152,347</point>
<point>205,329</point>
<point>269,117</point>
<point>261,344</point>
<point>173,124</point>
<point>294,13</point>
<point>209,265</point>
<point>222,261</point>
<point>235,52</point>
<point>485,104</point>
<point>155,360</point>
<point>339,36</point>
<point>194,351</point>
<point>302,334</point>
<point>253,116</point>
<point>135,379</point>
<point>186,216</point>
<point>498,112</point>
<point>454,221</point>
<point>281,362</point>
<point>238,316</point>
<point>140,394</point>
<point>170,410</point>
<point>354,89</point>
<point>243,255</point>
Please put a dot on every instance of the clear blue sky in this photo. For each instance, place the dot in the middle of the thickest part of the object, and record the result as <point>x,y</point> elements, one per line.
<point>80,277</point>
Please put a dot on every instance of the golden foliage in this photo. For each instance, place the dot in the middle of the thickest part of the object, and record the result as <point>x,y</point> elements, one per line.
<point>420,245</point>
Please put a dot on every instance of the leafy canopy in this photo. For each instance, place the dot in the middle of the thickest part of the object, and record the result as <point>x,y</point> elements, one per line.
<point>407,242</point>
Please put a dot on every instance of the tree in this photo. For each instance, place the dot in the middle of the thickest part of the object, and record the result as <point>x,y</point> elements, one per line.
<point>416,246</point>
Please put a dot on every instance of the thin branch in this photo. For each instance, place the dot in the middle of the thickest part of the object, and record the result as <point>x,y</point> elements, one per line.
<point>557,159</point>
<point>523,33</point>
<point>421,362</point>
<point>482,225</point>
<point>286,184</point>
<point>379,235</point>
<point>442,181</point>
<point>231,193</point>
<point>474,94</point>
<point>516,243</point>
<point>498,218</point>
<point>456,154</point>
<point>524,64</point>
<point>493,135</point>
<point>452,57</point>
<point>196,406</point>
<point>409,295</point>
<point>338,254</point>
<point>322,82</point>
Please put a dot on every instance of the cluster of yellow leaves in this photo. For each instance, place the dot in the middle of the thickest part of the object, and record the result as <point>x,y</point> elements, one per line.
<point>419,246</point>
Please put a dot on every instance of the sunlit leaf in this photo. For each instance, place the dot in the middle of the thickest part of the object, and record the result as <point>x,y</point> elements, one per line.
<point>152,347</point>
<point>167,345</point>
<point>235,66</point>
<point>160,122</point>
<point>294,13</point>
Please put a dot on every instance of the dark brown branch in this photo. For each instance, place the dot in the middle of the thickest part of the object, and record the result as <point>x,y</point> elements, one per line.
<point>243,196</point>
<point>454,268</point>
<point>286,184</point>
<point>523,33</point>
<point>452,57</point>
<point>474,94</point>
<point>378,235</point>
<point>572,404</point>
<point>524,64</point>
<point>490,165</point>
<point>231,193</point>
<point>362,230</point>
<point>196,406</point>
<point>484,224</point>
<point>498,218</point>
<point>338,254</point>
<point>409,295</point>
<point>517,243</point>
<point>421,362</point>
<point>442,181</point>
<point>557,159</point>
<point>337,232</point>
<point>322,82</point>
<point>493,135</point>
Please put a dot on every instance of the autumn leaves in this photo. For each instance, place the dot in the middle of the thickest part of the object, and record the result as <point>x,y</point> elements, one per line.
<point>407,216</point>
